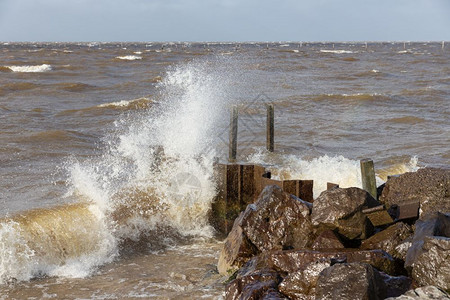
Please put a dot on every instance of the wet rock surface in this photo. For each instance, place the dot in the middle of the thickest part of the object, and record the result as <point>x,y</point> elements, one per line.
<point>389,239</point>
<point>327,240</point>
<point>302,284</point>
<point>295,260</point>
<point>350,281</point>
<point>341,210</point>
<point>433,225</point>
<point>253,286</point>
<point>286,249</point>
<point>428,186</point>
<point>432,266</point>
<point>277,220</point>
<point>423,293</point>
<point>236,251</point>
<point>358,281</point>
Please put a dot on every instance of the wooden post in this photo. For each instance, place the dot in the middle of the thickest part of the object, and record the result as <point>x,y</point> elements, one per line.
<point>332,186</point>
<point>233,133</point>
<point>368,177</point>
<point>270,128</point>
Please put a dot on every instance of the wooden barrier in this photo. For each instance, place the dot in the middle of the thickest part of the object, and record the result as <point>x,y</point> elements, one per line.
<point>233,134</point>
<point>368,177</point>
<point>270,131</point>
<point>240,185</point>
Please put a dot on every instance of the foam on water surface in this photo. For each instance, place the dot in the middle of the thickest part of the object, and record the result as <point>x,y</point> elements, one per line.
<point>334,169</point>
<point>129,57</point>
<point>337,51</point>
<point>30,69</point>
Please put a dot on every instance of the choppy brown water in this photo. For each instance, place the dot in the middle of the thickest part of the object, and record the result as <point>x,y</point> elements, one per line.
<point>78,123</point>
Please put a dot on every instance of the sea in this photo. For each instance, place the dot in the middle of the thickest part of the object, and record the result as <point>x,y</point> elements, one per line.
<point>107,149</point>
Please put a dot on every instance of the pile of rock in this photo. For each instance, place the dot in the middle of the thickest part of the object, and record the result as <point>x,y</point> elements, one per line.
<point>282,247</point>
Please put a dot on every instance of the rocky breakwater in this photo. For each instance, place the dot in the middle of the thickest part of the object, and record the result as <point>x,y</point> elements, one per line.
<point>345,245</point>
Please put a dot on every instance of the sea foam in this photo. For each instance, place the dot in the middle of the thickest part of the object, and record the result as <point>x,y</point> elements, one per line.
<point>335,169</point>
<point>129,57</point>
<point>31,69</point>
<point>337,51</point>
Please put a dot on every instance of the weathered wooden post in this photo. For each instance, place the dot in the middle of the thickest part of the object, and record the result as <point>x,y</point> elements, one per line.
<point>233,134</point>
<point>270,128</point>
<point>368,177</point>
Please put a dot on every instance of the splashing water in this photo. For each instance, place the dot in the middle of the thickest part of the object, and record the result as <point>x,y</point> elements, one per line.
<point>154,176</point>
<point>335,169</point>
<point>150,153</point>
<point>153,181</point>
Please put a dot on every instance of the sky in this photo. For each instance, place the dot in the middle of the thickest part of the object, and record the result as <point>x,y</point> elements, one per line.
<point>224,20</point>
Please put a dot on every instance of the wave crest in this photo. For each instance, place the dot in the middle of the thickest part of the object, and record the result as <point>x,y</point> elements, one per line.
<point>30,69</point>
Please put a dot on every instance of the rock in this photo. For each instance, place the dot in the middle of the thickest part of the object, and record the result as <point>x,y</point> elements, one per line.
<point>423,293</point>
<point>273,294</point>
<point>302,284</point>
<point>257,285</point>
<point>396,285</point>
<point>341,209</point>
<point>236,251</point>
<point>290,261</point>
<point>277,220</point>
<point>443,224</point>
<point>327,240</point>
<point>350,281</point>
<point>432,266</point>
<point>428,186</point>
<point>431,225</point>
<point>389,239</point>
<point>402,249</point>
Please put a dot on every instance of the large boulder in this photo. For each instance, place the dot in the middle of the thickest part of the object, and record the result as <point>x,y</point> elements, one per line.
<point>327,240</point>
<point>428,186</point>
<point>432,225</point>
<point>350,281</point>
<point>290,261</point>
<point>301,284</point>
<point>389,239</point>
<point>432,266</point>
<point>236,251</point>
<point>423,293</point>
<point>341,209</point>
<point>258,284</point>
<point>396,285</point>
<point>278,220</point>
<point>358,281</point>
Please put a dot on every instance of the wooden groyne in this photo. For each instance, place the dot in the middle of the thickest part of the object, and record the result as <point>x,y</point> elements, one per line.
<point>240,184</point>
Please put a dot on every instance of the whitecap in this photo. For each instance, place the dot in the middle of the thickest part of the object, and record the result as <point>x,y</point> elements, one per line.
<point>122,103</point>
<point>30,69</point>
<point>336,51</point>
<point>129,57</point>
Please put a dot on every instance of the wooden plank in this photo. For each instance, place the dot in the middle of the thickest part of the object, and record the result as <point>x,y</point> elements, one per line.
<point>368,177</point>
<point>233,134</point>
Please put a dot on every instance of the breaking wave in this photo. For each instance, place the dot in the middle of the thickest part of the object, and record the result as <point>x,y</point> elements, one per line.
<point>30,69</point>
<point>152,185</point>
<point>337,51</point>
<point>129,57</point>
<point>334,169</point>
